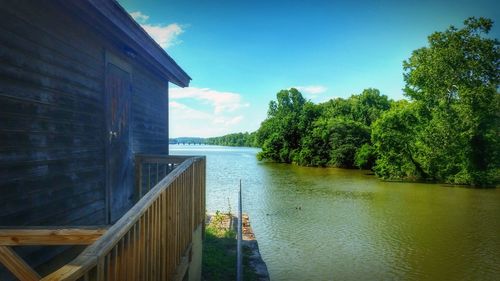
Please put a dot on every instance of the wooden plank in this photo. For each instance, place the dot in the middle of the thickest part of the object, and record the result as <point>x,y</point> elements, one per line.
<point>51,236</point>
<point>147,248</point>
<point>143,224</point>
<point>74,270</point>
<point>17,265</point>
<point>133,254</point>
<point>154,240</point>
<point>59,71</point>
<point>142,265</point>
<point>135,37</point>
<point>41,94</point>
<point>167,159</point>
<point>115,263</point>
<point>138,177</point>
<point>41,29</point>
<point>72,209</point>
<point>169,237</point>
<point>58,55</point>
<point>101,269</point>
<point>180,272</point>
<point>163,222</point>
<point>33,194</point>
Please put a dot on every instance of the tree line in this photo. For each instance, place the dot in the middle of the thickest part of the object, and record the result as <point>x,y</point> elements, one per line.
<point>236,139</point>
<point>446,130</point>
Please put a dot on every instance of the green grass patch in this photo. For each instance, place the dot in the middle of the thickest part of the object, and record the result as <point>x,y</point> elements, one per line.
<point>219,253</point>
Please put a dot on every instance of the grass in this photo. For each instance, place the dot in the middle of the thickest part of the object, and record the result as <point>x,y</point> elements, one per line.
<point>219,252</point>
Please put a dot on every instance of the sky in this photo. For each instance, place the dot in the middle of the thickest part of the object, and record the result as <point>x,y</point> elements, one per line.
<point>240,53</point>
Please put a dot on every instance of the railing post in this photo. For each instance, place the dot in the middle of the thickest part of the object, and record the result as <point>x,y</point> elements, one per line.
<point>138,177</point>
<point>239,252</point>
<point>100,269</point>
<point>202,195</point>
<point>193,190</point>
<point>154,238</point>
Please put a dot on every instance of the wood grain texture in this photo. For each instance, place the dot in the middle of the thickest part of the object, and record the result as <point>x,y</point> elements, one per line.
<point>17,265</point>
<point>52,116</point>
<point>152,241</point>
<point>50,236</point>
<point>116,22</point>
<point>51,122</point>
<point>51,143</point>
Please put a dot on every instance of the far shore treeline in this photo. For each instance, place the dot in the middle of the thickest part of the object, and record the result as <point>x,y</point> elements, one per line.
<point>236,139</point>
<point>448,129</point>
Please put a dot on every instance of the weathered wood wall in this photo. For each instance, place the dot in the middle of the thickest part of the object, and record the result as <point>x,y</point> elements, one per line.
<point>51,122</point>
<point>149,113</point>
<point>52,118</point>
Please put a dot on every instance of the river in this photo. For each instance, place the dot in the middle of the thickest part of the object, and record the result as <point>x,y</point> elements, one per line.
<point>337,224</point>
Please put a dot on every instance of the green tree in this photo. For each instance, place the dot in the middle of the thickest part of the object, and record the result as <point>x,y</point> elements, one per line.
<point>455,83</point>
<point>346,138</point>
<point>365,157</point>
<point>368,106</point>
<point>316,145</point>
<point>282,131</point>
<point>394,139</point>
<point>236,139</point>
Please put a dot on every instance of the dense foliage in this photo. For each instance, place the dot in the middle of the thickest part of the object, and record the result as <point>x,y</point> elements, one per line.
<point>237,139</point>
<point>327,134</point>
<point>448,130</point>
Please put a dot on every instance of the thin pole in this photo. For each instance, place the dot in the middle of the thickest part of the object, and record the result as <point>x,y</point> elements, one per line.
<point>239,253</point>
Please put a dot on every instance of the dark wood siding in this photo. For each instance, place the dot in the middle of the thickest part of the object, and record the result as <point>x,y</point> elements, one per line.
<point>52,118</point>
<point>51,122</point>
<point>149,113</point>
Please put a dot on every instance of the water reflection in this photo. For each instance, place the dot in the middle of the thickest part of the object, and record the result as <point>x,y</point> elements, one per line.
<point>334,224</point>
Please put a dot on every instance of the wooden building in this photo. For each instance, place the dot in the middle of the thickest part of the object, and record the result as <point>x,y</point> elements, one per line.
<point>83,97</point>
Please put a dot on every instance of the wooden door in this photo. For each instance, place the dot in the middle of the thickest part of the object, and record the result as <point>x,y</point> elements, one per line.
<point>119,155</point>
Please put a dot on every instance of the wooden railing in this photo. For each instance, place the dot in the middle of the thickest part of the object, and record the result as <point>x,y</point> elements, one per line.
<point>150,169</point>
<point>152,241</point>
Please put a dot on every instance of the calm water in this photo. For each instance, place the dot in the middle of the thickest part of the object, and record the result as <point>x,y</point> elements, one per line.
<point>335,224</point>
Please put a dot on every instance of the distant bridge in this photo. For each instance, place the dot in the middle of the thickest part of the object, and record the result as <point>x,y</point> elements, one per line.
<point>187,141</point>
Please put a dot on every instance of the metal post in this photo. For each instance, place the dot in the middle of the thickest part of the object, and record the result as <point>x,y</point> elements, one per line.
<point>239,265</point>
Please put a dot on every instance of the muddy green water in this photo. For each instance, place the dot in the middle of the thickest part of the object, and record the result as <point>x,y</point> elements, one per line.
<point>335,224</point>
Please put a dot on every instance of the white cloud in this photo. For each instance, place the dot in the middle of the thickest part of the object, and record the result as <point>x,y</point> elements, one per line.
<point>164,35</point>
<point>209,113</point>
<point>221,101</point>
<point>312,89</point>
<point>187,112</point>
<point>139,17</point>
<point>228,121</point>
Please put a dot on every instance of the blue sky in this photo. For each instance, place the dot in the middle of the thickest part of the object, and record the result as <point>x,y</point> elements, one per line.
<point>241,53</point>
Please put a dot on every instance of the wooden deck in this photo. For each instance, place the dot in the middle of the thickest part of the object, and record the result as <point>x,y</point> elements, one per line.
<point>152,241</point>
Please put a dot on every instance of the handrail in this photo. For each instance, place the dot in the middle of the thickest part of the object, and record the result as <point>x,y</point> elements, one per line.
<point>149,240</point>
<point>153,158</point>
<point>158,166</point>
<point>50,235</point>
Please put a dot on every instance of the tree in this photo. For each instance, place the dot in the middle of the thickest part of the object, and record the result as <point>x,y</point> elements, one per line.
<point>282,131</point>
<point>455,83</point>
<point>393,137</point>
<point>368,106</point>
<point>316,146</point>
<point>236,139</point>
<point>365,157</point>
<point>346,137</point>
<point>328,134</point>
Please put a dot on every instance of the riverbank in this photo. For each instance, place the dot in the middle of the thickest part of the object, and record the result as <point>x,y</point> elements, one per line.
<point>219,250</point>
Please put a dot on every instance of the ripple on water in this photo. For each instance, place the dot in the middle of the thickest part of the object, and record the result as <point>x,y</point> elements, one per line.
<point>351,226</point>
